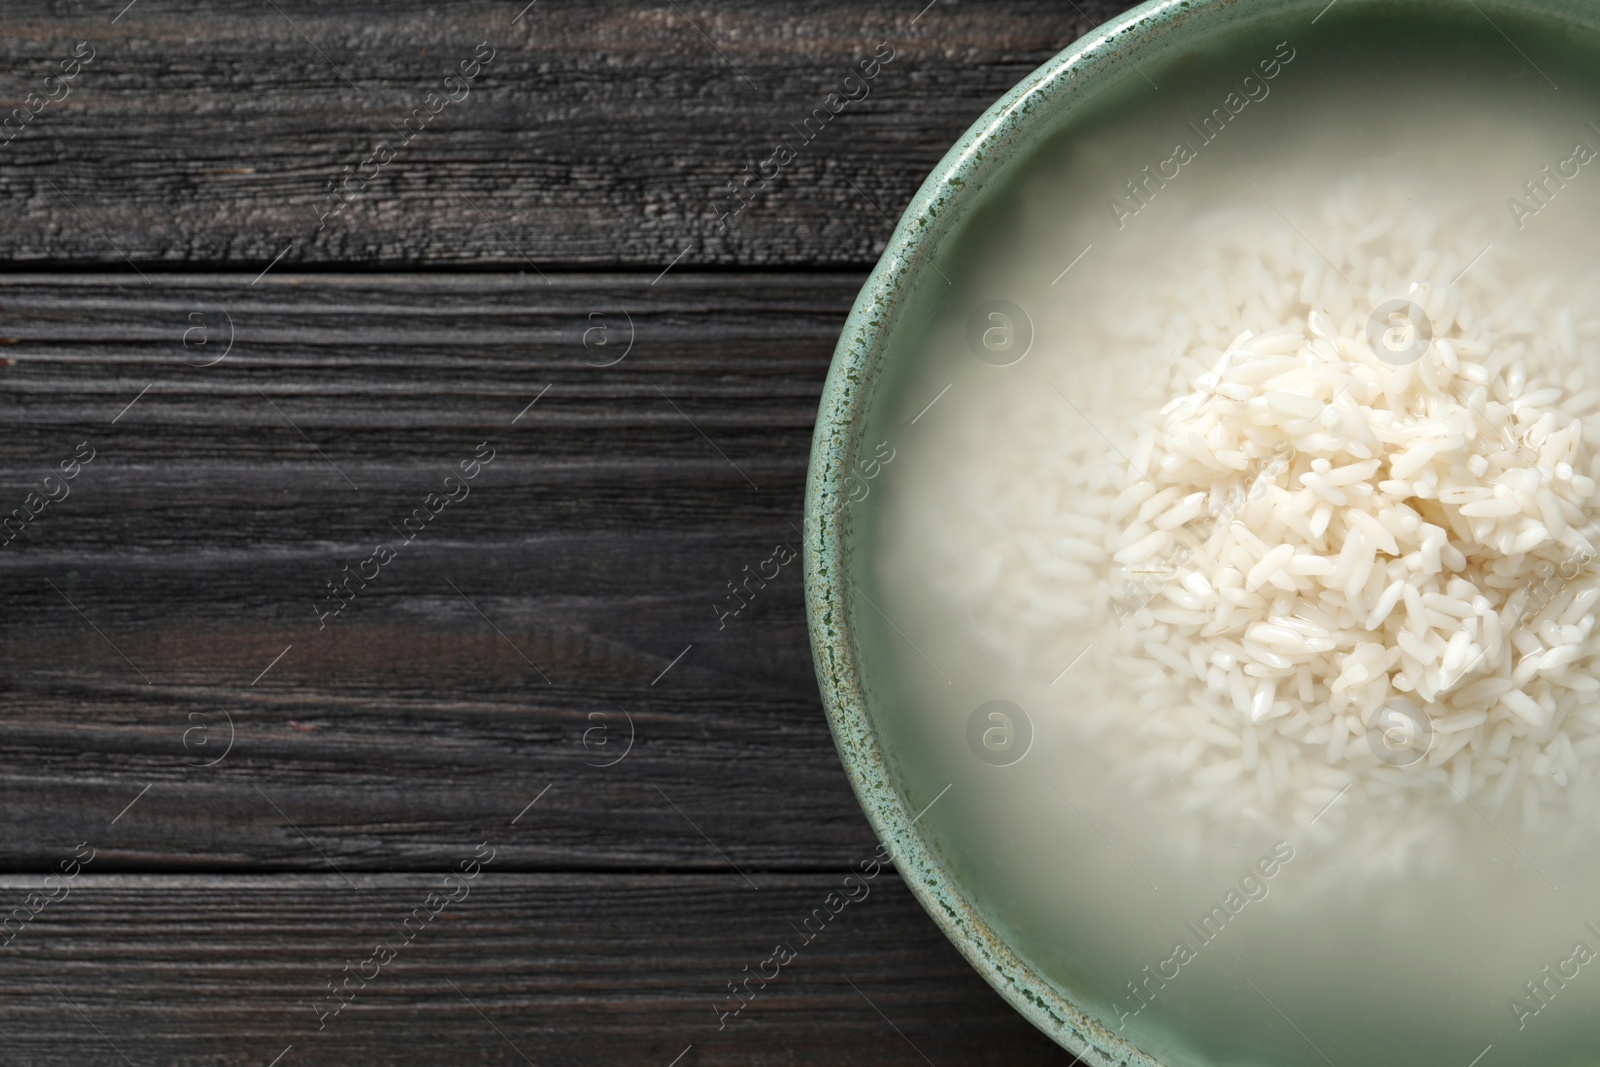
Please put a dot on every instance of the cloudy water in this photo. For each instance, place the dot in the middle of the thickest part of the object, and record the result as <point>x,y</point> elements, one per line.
<point>1219,763</point>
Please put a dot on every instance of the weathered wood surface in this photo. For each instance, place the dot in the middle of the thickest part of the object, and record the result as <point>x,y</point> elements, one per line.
<point>547,969</point>
<point>206,135</point>
<point>198,543</point>
<point>170,601</point>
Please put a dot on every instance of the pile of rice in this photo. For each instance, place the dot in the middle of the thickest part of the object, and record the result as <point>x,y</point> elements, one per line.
<point>1284,534</point>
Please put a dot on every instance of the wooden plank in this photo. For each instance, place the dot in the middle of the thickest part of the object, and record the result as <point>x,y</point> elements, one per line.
<point>570,969</point>
<point>501,651</point>
<point>600,135</point>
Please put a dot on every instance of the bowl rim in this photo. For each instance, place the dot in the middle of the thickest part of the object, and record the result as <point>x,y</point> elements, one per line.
<point>980,154</point>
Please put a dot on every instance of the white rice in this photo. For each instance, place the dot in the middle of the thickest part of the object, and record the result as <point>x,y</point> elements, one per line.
<point>1317,533</point>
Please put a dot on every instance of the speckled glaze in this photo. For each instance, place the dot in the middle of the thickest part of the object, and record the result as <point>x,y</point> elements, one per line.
<point>1068,81</point>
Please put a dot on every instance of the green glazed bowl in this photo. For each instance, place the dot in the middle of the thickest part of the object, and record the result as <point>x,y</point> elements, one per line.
<point>1046,102</point>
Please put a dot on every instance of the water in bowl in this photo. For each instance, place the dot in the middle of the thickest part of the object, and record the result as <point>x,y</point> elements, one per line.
<point>1403,202</point>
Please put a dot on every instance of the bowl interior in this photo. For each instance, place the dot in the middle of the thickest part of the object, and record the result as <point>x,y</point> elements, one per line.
<point>1077,96</point>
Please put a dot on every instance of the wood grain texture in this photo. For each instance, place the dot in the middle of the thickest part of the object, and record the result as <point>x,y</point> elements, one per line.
<point>498,651</point>
<point>547,969</point>
<point>600,135</point>
<point>267,794</point>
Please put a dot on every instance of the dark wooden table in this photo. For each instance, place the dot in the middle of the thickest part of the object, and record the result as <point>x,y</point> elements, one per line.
<point>275,666</point>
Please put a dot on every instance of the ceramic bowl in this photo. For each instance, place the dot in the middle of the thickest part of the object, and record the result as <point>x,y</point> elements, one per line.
<point>1043,104</point>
